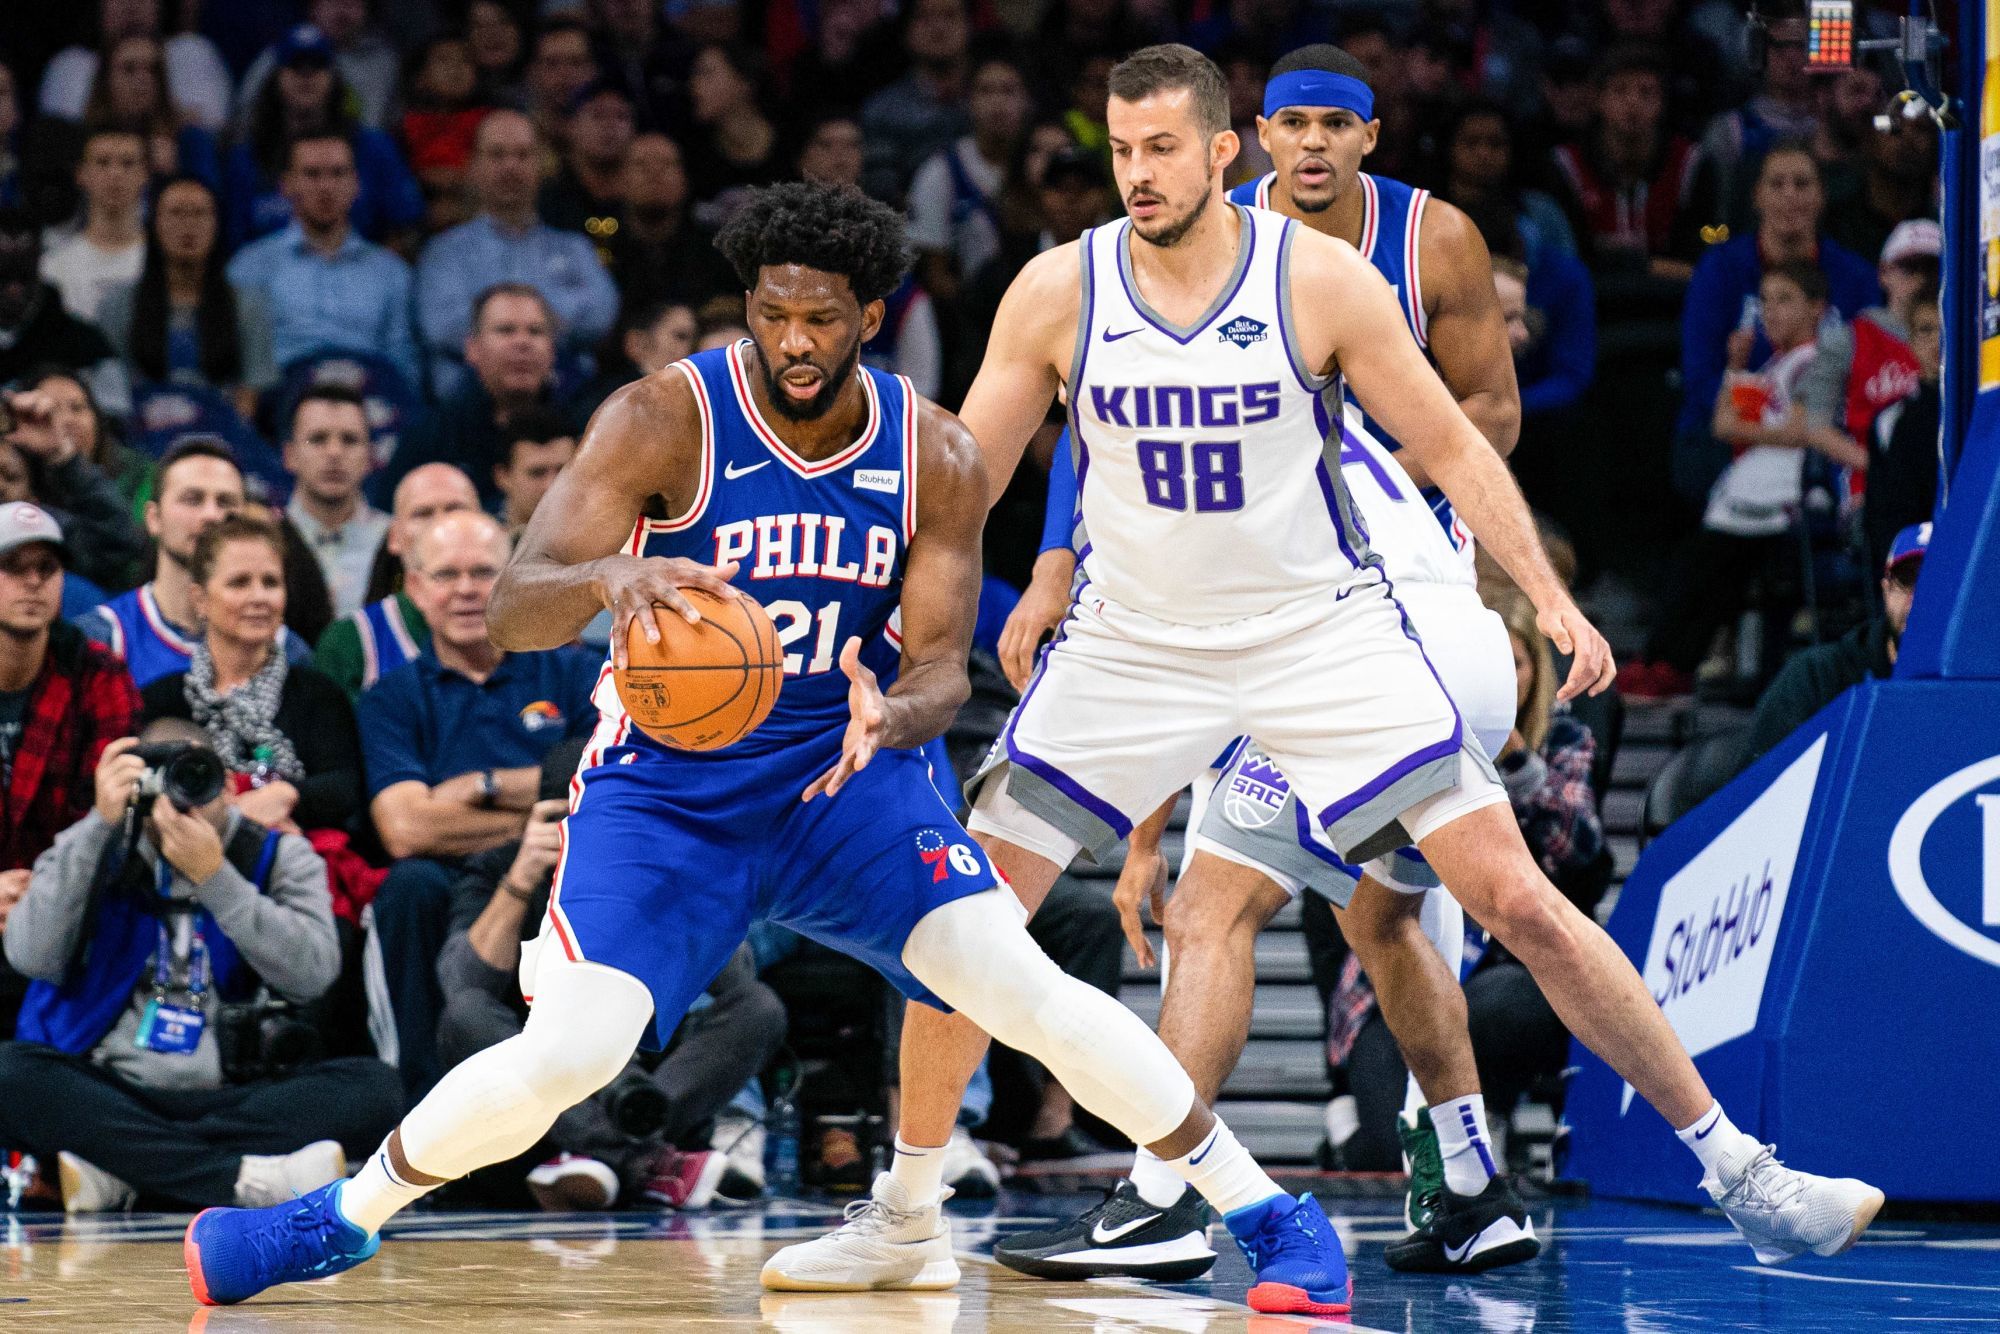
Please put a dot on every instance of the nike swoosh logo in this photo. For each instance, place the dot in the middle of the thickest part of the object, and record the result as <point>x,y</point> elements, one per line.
<point>1103,1236</point>
<point>1195,1160</point>
<point>1457,1254</point>
<point>1110,337</point>
<point>732,472</point>
<point>1703,1134</point>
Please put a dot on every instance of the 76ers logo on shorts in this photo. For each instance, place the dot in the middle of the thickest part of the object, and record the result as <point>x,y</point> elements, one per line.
<point>1255,792</point>
<point>945,858</point>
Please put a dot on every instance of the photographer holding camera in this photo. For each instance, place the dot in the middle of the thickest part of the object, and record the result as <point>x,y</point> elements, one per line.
<point>170,939</point>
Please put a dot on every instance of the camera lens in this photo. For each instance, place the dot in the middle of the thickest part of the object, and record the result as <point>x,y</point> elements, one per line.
<point>193,778</point>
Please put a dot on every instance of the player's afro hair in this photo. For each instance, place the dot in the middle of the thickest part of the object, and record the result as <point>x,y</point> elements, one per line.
<point>832,228</point>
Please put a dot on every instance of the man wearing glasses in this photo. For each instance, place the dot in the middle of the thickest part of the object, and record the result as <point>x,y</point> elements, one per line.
<point>453,743</point>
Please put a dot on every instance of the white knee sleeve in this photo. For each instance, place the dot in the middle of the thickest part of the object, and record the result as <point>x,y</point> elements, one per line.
<point>584,1026</point>
<point>1443,922</point>
<point>975,953</point>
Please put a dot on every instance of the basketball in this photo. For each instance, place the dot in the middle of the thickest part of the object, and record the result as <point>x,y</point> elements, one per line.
<point>707,685</point>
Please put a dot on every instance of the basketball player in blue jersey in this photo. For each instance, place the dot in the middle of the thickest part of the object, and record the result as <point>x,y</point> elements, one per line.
<point>774,469</point>
<point>1225,589</point>
<point>1250,852</point>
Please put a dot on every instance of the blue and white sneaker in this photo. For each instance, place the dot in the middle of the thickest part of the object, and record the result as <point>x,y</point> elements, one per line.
<point>1296,1255</point>
<point>234,1254</point>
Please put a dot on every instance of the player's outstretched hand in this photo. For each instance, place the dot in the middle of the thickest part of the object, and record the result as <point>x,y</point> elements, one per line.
<point>868,715</point>
<point>1039,612</point>
<point>1144,877</point>
<point>631,586</point>
<point>1591,667</point>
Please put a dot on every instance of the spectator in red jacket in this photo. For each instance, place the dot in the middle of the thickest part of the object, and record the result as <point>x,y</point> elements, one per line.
<point>62,700</point>
<point>1632,183</point>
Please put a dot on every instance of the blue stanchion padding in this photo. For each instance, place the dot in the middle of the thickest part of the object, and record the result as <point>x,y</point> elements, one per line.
<point>163,413</point>
<point>1824,935</point>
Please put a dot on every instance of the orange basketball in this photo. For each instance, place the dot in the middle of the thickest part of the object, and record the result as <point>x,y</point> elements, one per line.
<point>707,685</point>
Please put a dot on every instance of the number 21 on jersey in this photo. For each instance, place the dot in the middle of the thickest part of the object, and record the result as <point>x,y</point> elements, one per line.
<point>795,621</point>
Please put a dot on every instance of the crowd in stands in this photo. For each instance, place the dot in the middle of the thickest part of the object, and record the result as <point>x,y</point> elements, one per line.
<point>305,303</point>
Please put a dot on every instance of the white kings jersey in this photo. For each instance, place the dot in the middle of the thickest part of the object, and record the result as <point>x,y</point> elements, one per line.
<point>1415,533</point>
<point>1208,489</point>
<point>1403,530</point>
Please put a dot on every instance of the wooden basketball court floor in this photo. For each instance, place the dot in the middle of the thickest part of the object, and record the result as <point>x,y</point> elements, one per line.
<point>1608,1267</point>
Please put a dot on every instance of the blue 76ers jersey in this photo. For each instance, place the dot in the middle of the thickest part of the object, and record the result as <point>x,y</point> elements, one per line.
<point>820,544</point>
<point>1392,216</point>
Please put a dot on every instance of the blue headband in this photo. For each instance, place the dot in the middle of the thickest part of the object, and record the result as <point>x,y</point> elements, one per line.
<point>1318,88</point>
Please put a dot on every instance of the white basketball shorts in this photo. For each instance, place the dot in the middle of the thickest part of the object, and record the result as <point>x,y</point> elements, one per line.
<point>1245,811</point>
<point>1343,700</point>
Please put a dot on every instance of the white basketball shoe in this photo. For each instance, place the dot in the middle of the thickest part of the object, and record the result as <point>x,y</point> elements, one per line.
<point>1784,1213</point>
<point>884,1244</point>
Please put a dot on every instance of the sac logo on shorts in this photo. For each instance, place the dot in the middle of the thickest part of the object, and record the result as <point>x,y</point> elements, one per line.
<point>943,858</point>
<point>541,715</point>
<point>1243,331</point>
<point>1256,792</point>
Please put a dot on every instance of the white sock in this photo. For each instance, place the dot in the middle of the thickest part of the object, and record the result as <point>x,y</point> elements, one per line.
<point>1464,1142</point>
<point>1158,1184</point>
<point>1224,1172</point>
<point>919,1171</point>
<point>375,1194</point>
<point>1711,1137</point>
<point>1413,1098</point>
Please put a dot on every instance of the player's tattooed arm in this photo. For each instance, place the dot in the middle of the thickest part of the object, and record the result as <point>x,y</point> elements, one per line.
<point>1027,355</point>
<point>645,441</point>
<point>1468,335</point>
<point>940,602</point>
<point>1365,338</point>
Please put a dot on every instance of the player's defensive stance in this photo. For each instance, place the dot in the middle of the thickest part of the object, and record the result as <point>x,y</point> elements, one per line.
<point>837,497</point>
<point>1250,848</point>
<point>1226,589</point>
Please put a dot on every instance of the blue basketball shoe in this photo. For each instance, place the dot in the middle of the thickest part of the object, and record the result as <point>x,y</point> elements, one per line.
<point>1296,1256</point>
<point>234,1254</point>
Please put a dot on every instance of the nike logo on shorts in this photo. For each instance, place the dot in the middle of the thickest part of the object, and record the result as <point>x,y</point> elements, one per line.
<point>732,472</point>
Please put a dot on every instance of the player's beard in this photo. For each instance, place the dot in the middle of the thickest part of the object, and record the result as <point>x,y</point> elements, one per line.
<point>831,383</point>
<point>1327,194</point>
<point>1166,235</point>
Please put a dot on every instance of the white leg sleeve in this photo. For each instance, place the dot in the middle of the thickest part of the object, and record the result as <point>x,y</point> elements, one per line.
<point>975,953</point>
<point>1443,922</point>
<point>585,1023</point>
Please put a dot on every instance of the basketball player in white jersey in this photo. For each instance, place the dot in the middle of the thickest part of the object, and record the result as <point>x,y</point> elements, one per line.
<point>1225,589</point>
<point>1249,852</point>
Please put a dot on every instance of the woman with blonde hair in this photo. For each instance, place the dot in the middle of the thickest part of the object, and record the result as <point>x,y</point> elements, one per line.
<point>1546,761</point>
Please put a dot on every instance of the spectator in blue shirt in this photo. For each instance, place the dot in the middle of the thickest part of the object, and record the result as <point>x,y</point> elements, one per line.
<point>511,353</point>
<point>308,96</point>
<point>453,742</point>
<point>1722,297</point>
<point>507,242</point>
<point>323,287</point>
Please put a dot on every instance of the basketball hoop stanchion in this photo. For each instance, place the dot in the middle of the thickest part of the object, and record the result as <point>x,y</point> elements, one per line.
<point>1821,932</point>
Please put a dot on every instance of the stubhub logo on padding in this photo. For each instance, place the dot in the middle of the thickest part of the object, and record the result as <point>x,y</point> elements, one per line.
<point>1968,841</point>
<point>1716,929</point>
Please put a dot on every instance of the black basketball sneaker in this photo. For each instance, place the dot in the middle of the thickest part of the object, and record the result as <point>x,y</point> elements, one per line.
<point>1469,1233</point>
<point>1120,1237</point>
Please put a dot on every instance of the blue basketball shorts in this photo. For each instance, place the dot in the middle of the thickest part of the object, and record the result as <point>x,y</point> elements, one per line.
<point>667,858</point>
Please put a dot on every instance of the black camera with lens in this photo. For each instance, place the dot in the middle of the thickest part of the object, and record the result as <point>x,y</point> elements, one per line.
<point>265,1038</point>
<point>185,774</point>
<point>636,1106</point>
